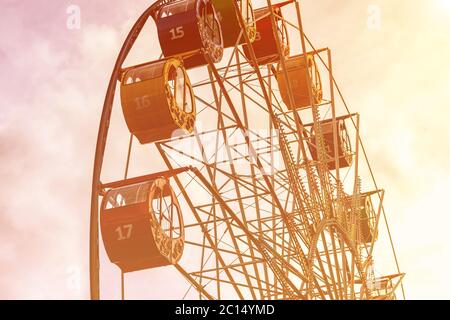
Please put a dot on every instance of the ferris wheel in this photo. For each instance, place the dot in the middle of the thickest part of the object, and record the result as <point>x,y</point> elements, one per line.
<point>262,193</point>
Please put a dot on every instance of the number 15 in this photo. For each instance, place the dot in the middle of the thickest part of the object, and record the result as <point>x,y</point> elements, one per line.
<point>177,33</point>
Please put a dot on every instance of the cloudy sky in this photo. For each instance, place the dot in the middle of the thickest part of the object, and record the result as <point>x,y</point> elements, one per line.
<point>394,71</point>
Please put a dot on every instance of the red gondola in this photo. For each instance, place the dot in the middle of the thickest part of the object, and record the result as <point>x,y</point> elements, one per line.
<point>365,217</point>
<point>158,100</point>
<point>265,44</point>
<point>142,226</point>
<point>190,28</point>
<point>343,148</point>
<point>300,71</point>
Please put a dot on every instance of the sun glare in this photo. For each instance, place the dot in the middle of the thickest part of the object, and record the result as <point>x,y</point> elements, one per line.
<point>444,4</point>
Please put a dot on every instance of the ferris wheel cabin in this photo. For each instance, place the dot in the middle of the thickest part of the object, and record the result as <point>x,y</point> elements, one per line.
<point>365,217</point>
<point>157,100</point>
<point>300,71</point>
<point>190,29</point>
<point>385,287</point>
<point>142,226</point>
<point>265,45</point>
<point>344,149</point>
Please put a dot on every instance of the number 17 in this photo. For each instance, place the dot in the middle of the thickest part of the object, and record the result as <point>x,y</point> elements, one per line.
<point>124,232</point>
